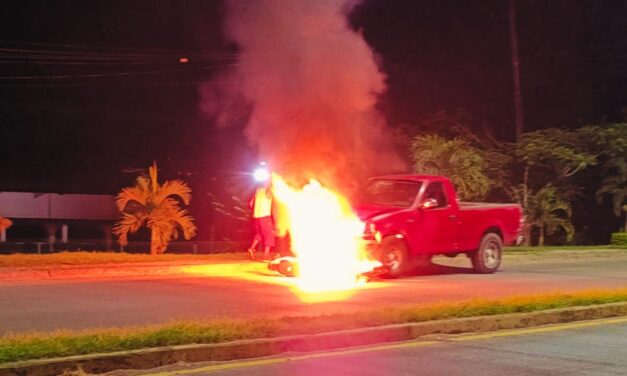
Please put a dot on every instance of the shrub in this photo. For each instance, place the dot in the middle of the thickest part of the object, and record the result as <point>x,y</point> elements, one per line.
<point>619,238</point>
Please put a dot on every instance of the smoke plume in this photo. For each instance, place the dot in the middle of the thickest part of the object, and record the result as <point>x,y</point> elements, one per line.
<point>307,85</point>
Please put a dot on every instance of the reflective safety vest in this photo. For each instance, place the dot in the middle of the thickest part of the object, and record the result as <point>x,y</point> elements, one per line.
<point>262,206</point>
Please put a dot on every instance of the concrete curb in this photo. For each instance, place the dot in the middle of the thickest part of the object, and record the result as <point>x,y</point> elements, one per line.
<point>155,357</point>
<point>96,271</point>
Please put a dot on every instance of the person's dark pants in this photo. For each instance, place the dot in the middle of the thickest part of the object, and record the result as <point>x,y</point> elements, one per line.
<point>264,231</point>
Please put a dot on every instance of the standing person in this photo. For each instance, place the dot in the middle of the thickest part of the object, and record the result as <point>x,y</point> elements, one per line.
<point>261,205</point>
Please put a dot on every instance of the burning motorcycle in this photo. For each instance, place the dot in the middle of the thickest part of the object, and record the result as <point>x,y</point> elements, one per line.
<point>288,266</point>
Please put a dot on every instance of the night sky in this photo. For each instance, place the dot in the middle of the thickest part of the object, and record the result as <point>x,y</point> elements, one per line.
<point>91,91</point>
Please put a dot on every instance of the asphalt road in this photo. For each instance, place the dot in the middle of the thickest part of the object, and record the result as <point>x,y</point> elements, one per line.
<point>586,348</point>
<point>250,290</point>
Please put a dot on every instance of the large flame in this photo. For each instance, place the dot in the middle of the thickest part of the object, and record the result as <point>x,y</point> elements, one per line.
<point>326,237</point>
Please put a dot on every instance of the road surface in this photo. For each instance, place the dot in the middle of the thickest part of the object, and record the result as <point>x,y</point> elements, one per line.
<point>583,348</point>
<point>250,290</point>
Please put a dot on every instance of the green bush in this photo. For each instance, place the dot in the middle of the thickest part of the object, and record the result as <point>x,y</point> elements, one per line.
<point>619,238</point>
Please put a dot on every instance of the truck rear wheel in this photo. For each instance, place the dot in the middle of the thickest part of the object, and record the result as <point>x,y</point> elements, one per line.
<point>394,256</point>
<point>488,257</point>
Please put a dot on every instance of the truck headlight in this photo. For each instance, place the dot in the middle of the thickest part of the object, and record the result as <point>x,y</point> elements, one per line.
<point>370,232</point>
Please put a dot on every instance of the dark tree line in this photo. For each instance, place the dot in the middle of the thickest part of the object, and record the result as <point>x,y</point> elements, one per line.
<point>571,183</point>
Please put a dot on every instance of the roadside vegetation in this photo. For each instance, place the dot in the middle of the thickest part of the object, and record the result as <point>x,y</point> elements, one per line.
<point>16,347</point>
<point>572,184</point>
<point>156,206</point>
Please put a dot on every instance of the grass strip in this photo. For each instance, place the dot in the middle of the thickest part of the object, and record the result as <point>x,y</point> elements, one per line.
<point>95,257</point>
<point>38,345</point>
<point>543,249</point>
<point>98,257</point>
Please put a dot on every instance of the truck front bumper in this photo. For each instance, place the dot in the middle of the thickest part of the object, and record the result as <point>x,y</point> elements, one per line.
<point>373,249</point>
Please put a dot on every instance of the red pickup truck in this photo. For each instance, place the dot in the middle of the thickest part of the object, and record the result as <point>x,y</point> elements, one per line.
<point>410,218</point>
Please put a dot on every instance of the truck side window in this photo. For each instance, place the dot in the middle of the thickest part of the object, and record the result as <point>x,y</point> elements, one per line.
<point>436,190</point>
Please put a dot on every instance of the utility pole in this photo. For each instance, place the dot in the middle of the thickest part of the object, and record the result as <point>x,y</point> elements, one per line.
<point>518,110</point>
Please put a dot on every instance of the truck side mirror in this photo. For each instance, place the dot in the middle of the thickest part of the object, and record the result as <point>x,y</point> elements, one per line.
<point>429,203</point>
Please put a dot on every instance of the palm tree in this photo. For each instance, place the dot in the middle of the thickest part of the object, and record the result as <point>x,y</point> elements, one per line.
<point>615,186</point>
<point>454,158</point>
<point>547,211</point>
<point>158,207</point>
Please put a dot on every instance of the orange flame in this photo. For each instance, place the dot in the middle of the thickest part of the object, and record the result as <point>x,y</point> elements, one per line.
<point>326,237</point>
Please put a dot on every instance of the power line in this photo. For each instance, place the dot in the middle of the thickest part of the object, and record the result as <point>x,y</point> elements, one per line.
<point>112,74</point>
<point>85,84</point>
<point>91,47</point>
<point>78,62</point>
<point>68,48</point>
<point>4,53</point>
<point>4,59</point>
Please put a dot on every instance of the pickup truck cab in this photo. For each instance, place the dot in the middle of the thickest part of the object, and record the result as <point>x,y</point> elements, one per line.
<point>410,218</point>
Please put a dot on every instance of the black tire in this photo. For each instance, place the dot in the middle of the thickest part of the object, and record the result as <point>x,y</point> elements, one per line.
<point>488,257</point>
<point>394,256</point>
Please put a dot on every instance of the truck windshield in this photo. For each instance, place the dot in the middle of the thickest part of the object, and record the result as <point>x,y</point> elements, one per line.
<point>396,193</point>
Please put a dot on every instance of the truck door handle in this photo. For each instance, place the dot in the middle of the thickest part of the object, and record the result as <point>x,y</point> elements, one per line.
<point>452,217</point>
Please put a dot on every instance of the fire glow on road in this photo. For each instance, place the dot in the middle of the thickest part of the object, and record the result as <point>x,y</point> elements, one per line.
<point>258,272</point>
<point>326,238</point>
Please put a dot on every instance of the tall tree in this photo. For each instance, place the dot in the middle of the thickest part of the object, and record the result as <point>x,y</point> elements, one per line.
<point>497,155</point>
<point>553,155</point>
<point>454,158</point>
<point>614,187</point>
<point>550,157</point>
<point>610,142</point>
<point>156,206</point>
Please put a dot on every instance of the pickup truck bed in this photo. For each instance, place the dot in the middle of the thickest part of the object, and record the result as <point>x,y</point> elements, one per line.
<point>481,205</point>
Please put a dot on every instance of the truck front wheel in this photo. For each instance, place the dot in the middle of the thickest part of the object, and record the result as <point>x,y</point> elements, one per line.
<point>488,257</point>
<point>394,256</point>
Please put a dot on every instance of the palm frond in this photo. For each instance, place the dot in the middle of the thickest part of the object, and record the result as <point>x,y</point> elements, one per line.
<point>186,223</point>
<point>152,172</point>
<point>619,201</point>
<point>561,206</point>
<point>130,223</point>
<point>143,183</point>
<point>562,223</point>
<point>175,188</point>
<point>136,193</point>
<point>433,154</point>
<point>170,218</point>
<point>547,209</point>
